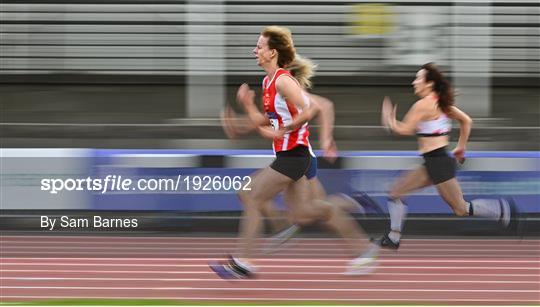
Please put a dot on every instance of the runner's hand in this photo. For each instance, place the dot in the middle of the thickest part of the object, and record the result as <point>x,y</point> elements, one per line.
<point>245,96</point>
<point>459,154</point>
<point>388,112</point>
<point>329,150</point>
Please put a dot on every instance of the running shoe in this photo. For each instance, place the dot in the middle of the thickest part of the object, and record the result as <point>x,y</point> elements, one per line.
<point>510,218</point>
<point>386,242</point>
<point>222,270</point>
<point>365,263</point>
<point>506,213</point>
<point>230,269</point>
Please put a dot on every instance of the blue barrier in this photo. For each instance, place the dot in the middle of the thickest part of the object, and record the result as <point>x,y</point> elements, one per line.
<point>485,174</point>
<point>235,152</point>
<point>522,187</point>
<point>479,181</point>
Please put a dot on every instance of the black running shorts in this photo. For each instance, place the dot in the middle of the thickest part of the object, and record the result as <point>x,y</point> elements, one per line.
<point>292,163</point>
<point>439,165</point>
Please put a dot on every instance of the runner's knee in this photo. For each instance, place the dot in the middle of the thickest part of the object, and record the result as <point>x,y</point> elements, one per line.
<point>394,194</point>
<point>460,211</point>
<point>250,201</point>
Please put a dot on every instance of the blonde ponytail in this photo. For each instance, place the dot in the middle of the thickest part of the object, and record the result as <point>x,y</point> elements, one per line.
<point>302,69</point>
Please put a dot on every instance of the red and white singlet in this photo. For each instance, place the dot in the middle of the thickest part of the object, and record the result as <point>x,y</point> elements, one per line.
<point>281,113</point>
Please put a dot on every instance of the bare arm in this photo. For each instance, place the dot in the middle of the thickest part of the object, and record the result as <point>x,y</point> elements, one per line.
<point>267,132</point>
<point>291,91</point>
<point>246,97</point>
<point>410,121</point>
<point>465,125</point>
<point>235,124</point>
<point>325,117</point>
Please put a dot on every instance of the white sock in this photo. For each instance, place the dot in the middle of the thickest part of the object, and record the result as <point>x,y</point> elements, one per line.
<point>486,208</point>
<point>394,236</point>
<point>287,232</point>
<point>398,213</point>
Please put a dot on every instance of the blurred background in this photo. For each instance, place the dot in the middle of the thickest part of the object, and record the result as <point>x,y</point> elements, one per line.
<point>84,82</point>
<point>134,88</point>
<point>156,73</point>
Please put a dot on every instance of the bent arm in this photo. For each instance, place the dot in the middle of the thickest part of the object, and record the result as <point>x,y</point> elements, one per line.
<point>291,92</point>
<point>325,115</point>
<point>246,98</point>
<point>465,125</point>
<point>256,117</point>
<point>267,132</point>
<point>410,121</point>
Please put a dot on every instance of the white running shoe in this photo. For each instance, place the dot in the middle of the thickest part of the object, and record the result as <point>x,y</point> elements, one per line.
<point>365,263</point>
<point>506,212</point>
<point>361,266</point>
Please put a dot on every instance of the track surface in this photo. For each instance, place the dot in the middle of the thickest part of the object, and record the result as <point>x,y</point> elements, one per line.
<point>448,271</point>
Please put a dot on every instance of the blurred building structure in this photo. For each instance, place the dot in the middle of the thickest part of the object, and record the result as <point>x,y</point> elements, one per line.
<point>143,73</point>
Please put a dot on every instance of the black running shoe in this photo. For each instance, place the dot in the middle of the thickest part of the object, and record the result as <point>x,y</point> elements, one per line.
<point>386,242</point>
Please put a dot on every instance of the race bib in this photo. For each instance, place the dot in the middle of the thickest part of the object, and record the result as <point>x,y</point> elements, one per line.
<point>274,123</point>
<point>273,120</point>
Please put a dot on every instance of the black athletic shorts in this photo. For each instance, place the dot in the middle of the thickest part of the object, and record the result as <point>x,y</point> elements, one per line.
<point>439,165</point>
<point>292,163</point>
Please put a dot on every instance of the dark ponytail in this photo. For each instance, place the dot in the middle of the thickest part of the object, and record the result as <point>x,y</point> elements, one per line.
<point>441,86</point>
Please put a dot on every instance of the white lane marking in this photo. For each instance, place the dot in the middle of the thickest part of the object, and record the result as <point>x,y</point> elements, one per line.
<point>271,266</point>
<point>265,273</point>
<point>270,280</point>
<point>337,244</point>
<point>276,260</point>
<point>132,238</point>
<point>47,249</point>
<point>242,299</point>
<point>270,289</point>
<point>284,256</point>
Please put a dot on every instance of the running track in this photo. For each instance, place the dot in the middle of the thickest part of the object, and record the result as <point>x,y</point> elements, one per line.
<point>449,271</point>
